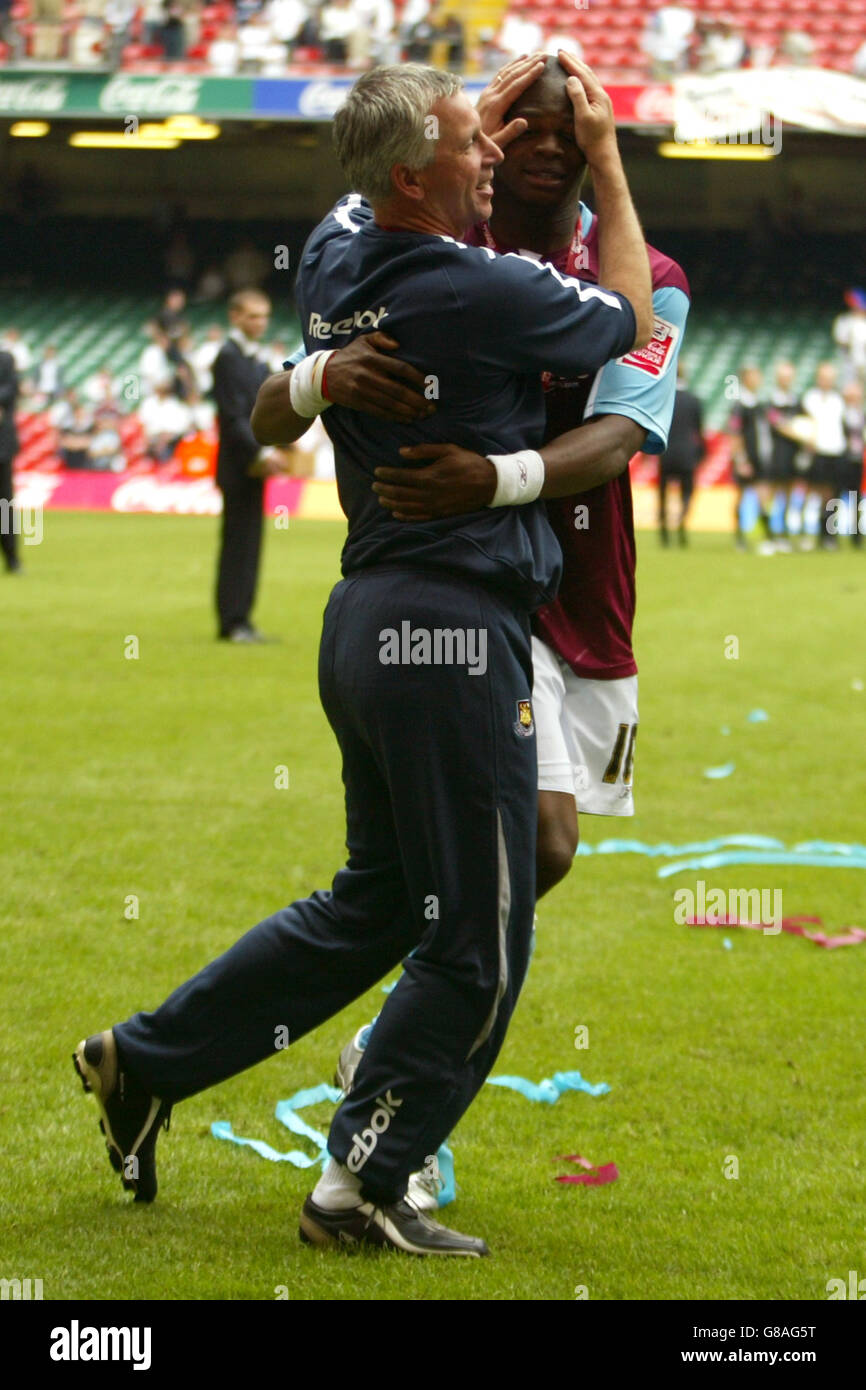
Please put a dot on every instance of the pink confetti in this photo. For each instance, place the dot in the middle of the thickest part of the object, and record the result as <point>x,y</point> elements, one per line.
<point>854,936</point>
<point>607,1172</point>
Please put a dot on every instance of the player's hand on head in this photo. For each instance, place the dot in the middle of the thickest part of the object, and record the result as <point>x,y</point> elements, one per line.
<point>594,125</point>
<point>501,93</point>
<point>453,481</point>
<point>365,376</point>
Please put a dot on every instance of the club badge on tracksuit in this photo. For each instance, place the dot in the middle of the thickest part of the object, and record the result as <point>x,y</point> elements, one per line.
<point>525,725</point>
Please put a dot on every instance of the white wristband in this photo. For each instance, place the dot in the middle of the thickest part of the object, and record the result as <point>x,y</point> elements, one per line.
<point>520,477</point>
<point>305,384</point>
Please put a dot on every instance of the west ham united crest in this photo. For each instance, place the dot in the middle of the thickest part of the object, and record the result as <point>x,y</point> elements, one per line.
<point>524,725</point>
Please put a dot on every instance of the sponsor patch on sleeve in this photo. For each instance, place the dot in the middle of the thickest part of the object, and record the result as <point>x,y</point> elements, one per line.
<point>654,358</point>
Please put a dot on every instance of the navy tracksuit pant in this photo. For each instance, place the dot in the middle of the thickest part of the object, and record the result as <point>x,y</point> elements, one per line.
<point>439,767</point>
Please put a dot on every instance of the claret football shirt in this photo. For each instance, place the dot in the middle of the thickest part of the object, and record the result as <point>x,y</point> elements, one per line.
<point>590,622</point>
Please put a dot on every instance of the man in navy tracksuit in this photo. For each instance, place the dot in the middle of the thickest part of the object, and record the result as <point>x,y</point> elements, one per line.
<point>425,676</point>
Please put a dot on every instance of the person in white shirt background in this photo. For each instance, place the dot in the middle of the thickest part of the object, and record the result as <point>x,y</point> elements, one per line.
<point>13,342</point>
<point>824,404</point>
<point>849,335</point>
<point>667,40</point>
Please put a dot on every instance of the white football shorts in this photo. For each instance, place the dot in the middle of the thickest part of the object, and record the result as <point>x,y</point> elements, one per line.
<point>585,730</point>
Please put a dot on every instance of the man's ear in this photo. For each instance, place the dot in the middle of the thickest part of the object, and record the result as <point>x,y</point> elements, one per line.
<point>407,182</point>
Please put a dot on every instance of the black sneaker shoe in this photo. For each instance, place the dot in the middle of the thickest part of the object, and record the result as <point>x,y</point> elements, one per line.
<point>399,1227</point>
<point>131,1116</point>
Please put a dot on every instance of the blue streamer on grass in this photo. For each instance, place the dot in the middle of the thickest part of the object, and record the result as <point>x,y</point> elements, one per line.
<point>738,849</point>
<point>665,850</point>
<point>448,1190</point>
<point>549,1089</point>
<point>718,861</point>
<point>286,1113</point>
<point>716,773</point>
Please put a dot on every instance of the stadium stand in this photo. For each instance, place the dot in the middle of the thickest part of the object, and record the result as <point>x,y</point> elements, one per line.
<point>91,329</point>
<point>611,33</point>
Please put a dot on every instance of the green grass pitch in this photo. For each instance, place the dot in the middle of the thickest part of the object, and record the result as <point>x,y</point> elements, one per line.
<point>154,777</point>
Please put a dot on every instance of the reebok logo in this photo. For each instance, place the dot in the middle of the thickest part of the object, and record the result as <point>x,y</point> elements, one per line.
<point>366,1141</point>
<point>363,318</point>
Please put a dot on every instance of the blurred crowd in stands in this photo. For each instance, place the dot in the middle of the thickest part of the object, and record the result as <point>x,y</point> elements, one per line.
<point>797,457</point>
<point>168,392</point>
<point>267,36</point>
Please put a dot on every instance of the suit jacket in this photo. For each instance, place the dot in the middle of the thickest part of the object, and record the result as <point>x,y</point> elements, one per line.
<point>8,401</point>
<point>686,436</point>
<point>236,382</point>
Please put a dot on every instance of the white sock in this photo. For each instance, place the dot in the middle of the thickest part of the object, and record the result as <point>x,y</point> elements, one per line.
<point>337,1188</point>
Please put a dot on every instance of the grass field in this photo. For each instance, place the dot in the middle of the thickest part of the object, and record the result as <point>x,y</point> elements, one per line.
<point>155,777</point>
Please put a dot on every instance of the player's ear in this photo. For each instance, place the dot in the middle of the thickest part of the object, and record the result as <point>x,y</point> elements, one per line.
<point>407,182</point>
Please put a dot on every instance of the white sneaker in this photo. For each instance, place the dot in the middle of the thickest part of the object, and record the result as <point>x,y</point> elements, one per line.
<point>423,1191</point>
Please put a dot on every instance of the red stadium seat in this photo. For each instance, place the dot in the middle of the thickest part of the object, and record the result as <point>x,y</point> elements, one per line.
<point>135,53</point>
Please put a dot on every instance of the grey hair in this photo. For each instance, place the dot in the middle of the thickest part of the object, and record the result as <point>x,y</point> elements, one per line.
<point>384,122</point>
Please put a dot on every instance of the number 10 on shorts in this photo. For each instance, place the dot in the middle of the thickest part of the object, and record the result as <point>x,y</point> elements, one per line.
<point>626,735</point>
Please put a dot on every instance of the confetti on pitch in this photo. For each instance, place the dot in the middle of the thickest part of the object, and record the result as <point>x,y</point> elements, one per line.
<point>849,936</point>
<point>593,1177</point>
<point>716,773</point>
<point>550,1088</point>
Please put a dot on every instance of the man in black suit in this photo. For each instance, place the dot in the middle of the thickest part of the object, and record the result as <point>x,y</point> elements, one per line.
<point>686,448</point>
<point>8,450</point>
<point>242,464</point>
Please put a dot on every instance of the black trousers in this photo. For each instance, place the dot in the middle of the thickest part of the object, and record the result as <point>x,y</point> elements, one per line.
<point>240,549</point>
<point>8,539</point>
<point>686,479</point>
<point>439,767</point>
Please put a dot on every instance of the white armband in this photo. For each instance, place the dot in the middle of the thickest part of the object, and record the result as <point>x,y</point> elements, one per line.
<point>520,477</point>
<point>305,384</point>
